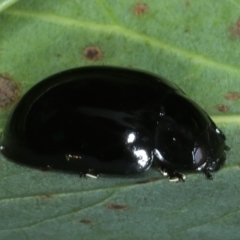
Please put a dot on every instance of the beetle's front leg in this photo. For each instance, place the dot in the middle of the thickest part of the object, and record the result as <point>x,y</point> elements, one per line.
<point>174,176</point>
<point>88,175</point>
<point>207,174</point>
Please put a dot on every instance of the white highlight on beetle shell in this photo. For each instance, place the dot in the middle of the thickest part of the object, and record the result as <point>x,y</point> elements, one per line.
<point>131,138</point>
<point>142,157</point>
<point>218,131</point>
<point>158,154</point>
<point>201,167</point>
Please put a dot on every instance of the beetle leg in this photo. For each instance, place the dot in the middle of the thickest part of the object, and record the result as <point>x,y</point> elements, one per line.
<point>227,148</point>
<point>174,176</point>
<point>207,174</point>
<point>89,174</point>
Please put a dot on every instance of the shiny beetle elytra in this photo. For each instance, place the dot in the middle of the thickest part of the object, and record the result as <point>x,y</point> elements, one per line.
<point>112,120</point>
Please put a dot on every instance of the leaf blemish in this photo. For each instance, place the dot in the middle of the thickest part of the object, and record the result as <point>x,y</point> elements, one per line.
<point>92,53</point>
<point>117,207</point>
<point>140,9</point>
<point>46,196</point>
<point>233,96</point>
<point>222,108</point>
<point>85,221</point>
<point>58,55</point>
<point>187,3</point>
<point>9,91</point>
<point>235,30</point>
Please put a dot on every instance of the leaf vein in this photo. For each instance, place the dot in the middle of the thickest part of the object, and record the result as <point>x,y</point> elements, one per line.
<point>129,33</point>
<point>74,211</point>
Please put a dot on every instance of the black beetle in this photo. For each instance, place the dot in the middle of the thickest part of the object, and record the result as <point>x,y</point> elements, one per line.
<point>112,120</point>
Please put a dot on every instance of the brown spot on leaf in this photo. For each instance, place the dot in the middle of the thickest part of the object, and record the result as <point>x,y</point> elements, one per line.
<point>58,55</point>
<point>235,30</point>
<point>222,108</point>
<point>85,221</point>
<point>140,9</point>
<point>92,53</point>
<point>187,3</point>
<point>117,207</point>
<point>233,96</point>
<point>46,196</point>
<point>9,91</point>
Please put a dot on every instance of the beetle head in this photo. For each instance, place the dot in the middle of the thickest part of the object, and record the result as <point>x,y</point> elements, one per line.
<point>186,138</point>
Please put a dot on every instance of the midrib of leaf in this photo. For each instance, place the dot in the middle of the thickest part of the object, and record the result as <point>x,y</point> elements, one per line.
<point>108,11</point>
<point>128,33</point>
<point>7,3</point>
<point>227,119</point>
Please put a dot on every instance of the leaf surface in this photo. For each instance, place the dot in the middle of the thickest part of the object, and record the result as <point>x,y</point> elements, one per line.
<point>4,4</point>
<point>192,43</point>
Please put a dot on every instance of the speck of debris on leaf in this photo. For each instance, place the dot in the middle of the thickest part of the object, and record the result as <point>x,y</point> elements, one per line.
<point>233,96</point>
<point>187,3</point>
<point>58,55</point>
<point>222,108</point>
<point>92,53</point>
<point>114,206</point>
<point>9,91</point>
<point>235,30</point>
<point>140,8</point>
<point>85,221</point>
<point>46,196</point>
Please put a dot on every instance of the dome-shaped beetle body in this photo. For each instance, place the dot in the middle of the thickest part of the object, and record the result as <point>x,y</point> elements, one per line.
<point>111,120</point>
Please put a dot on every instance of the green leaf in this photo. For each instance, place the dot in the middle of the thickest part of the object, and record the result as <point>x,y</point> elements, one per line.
<point>4,4</point>
<point>193,43</point>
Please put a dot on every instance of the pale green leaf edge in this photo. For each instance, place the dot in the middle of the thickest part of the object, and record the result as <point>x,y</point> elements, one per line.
<point>6,4</point>
<point>124,31</point>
